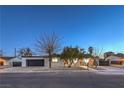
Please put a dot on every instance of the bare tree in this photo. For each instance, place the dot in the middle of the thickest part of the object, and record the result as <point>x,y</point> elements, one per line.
<point>98,52</point>
<point>49,44</point>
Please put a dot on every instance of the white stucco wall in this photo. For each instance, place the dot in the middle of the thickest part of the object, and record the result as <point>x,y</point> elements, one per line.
<point>10,62</point>
<point>23,62</point>
<point>46,61</point>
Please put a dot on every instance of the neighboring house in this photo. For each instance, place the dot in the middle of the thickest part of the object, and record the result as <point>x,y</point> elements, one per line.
<point>115,59</point>
<point>4,61</point>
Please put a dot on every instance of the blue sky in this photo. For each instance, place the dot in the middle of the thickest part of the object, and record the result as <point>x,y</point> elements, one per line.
<point>84,26</point>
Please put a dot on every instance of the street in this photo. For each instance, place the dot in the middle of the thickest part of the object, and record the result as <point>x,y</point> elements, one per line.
<point>61,79</point>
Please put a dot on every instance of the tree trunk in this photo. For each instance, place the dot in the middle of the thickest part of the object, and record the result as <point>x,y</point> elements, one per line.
<point>70,64</point>
<point>50,60</point>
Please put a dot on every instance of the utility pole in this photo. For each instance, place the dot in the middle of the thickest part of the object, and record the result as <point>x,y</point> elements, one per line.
<point>1,53</point>
<point>15,52</point>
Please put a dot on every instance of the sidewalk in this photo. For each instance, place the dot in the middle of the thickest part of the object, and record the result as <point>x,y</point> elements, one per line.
<point>3,67</point>
<point>118,66</point>
<point>103,70</point>
<point>38,69</point>
<point>108,70</point>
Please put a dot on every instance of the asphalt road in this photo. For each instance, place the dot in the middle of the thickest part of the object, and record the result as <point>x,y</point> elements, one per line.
<point>65,79</point>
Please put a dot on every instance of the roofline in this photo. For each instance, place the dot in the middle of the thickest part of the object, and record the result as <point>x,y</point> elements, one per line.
<point>34,56</point>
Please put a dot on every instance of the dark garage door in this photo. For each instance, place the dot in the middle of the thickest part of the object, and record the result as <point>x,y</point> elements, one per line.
<point>37,62</point>
<point>17,64</point>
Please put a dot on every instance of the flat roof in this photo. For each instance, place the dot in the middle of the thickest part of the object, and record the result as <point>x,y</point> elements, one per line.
<point>35,56</point>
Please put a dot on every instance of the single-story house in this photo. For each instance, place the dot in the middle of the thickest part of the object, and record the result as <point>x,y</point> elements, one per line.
<point>29,61</point>
<point>115,60</point>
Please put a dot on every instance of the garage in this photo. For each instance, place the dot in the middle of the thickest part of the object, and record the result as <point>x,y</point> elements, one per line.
<point>17,64</point>
<point>35,62</point>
